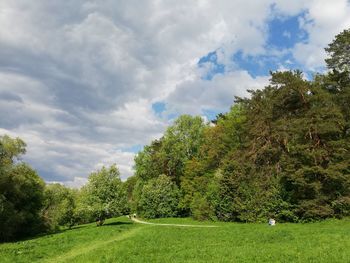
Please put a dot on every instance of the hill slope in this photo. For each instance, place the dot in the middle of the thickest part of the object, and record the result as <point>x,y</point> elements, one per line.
<point>121,240</point>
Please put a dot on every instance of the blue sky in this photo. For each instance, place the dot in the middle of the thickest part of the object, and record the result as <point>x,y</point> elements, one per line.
<point>95,82</point>
<point>282,33</point>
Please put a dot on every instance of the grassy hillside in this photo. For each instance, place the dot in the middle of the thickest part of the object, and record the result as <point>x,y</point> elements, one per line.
<point>120,240</point>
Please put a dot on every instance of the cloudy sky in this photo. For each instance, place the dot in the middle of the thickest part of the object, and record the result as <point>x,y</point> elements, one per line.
<point>87,82</point>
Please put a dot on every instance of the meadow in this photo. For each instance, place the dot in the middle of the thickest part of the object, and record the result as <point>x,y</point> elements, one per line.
<point>121,240</point>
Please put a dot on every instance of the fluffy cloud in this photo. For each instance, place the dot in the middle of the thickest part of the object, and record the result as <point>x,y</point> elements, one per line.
<point>78,78</point>
<point>197,96</point>
<point>322,21</point>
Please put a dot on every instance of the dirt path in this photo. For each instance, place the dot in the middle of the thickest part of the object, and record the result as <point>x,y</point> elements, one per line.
<point>159,224</point>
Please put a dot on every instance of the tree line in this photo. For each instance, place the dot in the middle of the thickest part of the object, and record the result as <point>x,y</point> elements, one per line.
<point>284,152</point>
<point>28,206</point>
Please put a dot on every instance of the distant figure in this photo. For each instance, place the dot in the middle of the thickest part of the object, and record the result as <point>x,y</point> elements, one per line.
<point>272,222</point>
<point>99,222</point>
<point>134,215</point>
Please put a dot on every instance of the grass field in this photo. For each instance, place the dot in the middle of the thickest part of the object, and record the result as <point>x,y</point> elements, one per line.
<point>121,240</point>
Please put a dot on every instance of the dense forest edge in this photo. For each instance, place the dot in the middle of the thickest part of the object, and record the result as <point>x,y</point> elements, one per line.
<point>284,152</point>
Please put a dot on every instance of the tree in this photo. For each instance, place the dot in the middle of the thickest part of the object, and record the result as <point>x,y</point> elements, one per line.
<point>181,143</point>
<point>60,204</point>
<point>337,81</point>
<point>204,206</point>
<point>169,154</point>
<point>159,198</point>
<point>294,157</point>
<point>200,172</point>
<point>105,195</point>
<point>150,162</point>
<point>10,151</point>
<point>21,202</point>
<point>339,53</point>
<point>284,152</point>
<point>21,193</point>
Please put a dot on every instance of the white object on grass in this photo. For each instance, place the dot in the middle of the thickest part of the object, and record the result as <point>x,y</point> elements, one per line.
<point>272,222</point>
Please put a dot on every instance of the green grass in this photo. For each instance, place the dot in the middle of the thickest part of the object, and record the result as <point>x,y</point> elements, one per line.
<point>122,241</point>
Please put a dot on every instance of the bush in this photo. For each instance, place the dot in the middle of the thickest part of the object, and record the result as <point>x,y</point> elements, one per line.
<point>341,206</point>
<point>159,198</point>
<point>201,209</point>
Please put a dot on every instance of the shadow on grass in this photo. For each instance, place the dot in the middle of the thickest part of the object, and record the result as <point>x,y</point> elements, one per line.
<point>47,234</point>
<point>63,230</point>
<point>77,227</point>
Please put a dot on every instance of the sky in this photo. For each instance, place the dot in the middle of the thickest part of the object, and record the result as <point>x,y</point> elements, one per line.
<point>87,83</point>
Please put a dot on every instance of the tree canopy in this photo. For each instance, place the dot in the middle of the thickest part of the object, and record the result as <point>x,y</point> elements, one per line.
<point>104,195</point>
<point>21,192</point>
<point>282,152</point>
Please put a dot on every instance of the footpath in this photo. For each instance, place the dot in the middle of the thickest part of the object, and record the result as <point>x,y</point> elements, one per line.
<point>160,224</point>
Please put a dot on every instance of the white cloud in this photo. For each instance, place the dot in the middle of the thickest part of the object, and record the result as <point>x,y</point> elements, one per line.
<point>196,96</point>
<point>324,19</point>
<point>78,78</point>
<point>62,161</point>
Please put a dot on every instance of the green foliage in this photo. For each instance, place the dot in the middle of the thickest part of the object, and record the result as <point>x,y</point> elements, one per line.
<point>294,152</point>
<point>104,195</point>
<point>20,202</point>
<point>82,212</point>
<point>60,204</point>
<point>200,208</point>
<point>181,143</point>
<point>21,193</point>
<point>131,186</point>
<point>338,80</point>
<point>150,162</point>
<point>28,207</point>
<point>10,150</point>
<point>341,206</point>
<point>218,141</point>
<point>159,198</point>
<point>338,50</point>
<point>169,155</point>
<point>284,152</point>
